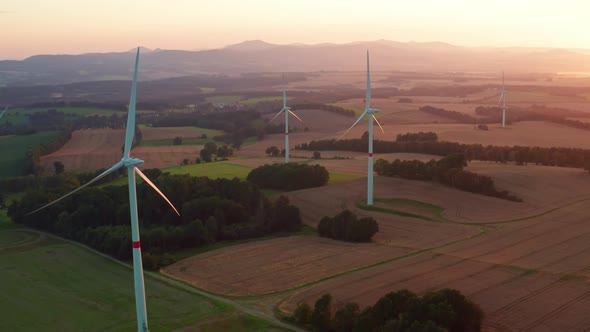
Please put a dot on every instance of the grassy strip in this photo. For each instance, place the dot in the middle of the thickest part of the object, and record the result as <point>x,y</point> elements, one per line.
<point>436,210</point>
<point>213,170</point>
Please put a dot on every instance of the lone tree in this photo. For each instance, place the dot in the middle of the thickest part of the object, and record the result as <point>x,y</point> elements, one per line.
<point>59,167</point>
<point>177,140</point>
<point>272,151</point>
<point>317,155</point>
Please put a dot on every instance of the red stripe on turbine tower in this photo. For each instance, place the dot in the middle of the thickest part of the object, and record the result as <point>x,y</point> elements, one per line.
<point>370,154</point>
<point>286,134</point>
<point>136,244</point>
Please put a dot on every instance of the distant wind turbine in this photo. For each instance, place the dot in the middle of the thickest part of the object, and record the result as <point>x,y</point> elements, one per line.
<point>371,112</point>
<point>287,111</point>
<point>131,164</point>
<point>503,100</point>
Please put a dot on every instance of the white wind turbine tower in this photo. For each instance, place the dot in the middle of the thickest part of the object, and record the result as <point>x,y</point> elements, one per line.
<point>287,111</point>
<point>131,163</point>
<point>503,101</point>
<point>371,112</point>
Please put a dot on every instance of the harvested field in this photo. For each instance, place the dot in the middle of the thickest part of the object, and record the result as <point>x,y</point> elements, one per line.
<point>393,229</point>
<point>539,186</point>
<point>157,133</point>
<point>278,264</point>
<point>93,149</point>
<point>89,149</point>
<point>524,275</point>
<point>166,156</point>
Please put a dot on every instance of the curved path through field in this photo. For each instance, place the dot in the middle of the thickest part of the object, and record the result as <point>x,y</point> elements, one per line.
<point>32,236</point>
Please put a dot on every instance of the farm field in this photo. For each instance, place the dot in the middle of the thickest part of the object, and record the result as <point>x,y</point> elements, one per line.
<point>94,149</point>
<point>166,156</point>
<point>526,264</point>
<point>281,264</point>
<point>521,133</point>
<point>67,288</point>
<point>14,149</point>
<point>89,149</point>
<point>160,133</point>
<point>524,275</point>
<point>213,170</point>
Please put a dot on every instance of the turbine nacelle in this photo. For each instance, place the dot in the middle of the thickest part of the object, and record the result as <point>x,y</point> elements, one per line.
<point>371,110</point>
<point>131,162</point>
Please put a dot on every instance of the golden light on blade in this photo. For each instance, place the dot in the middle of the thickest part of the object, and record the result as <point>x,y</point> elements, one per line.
<point>147,180</point>
<point>374,118</point>
<point>295,115</point>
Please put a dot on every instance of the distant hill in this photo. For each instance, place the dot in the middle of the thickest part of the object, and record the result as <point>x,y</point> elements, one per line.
<point>260,56</point>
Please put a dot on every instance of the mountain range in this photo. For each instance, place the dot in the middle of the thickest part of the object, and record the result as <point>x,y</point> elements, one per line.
<point>259,56</point>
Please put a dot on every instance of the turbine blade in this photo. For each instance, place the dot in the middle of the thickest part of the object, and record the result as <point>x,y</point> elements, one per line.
<point>1,115</point>
<point>147,180</point>
<point>130,132</point>
<point>295,115</point>
<point>100,176</point>
<point>375,118</point>
<point>274,117</point>
<point>354,124</point>
<point>501,96</point>
<point>368,95</point>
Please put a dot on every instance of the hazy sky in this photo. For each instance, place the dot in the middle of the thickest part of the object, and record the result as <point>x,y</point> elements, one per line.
<point>73,26</point>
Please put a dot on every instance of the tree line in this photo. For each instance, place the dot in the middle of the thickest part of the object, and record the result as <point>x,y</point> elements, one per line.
<point>400,311</point>
<point>536,113</point>
<point>289,176</point>
<point>454,115</point>
<point>448,170</point>
<point>555,156</point>
<point>211,210</point>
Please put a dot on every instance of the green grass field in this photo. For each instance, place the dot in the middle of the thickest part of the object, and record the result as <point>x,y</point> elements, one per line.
<point>407,208</point>
<point>51,285</point>
<point>170,141</point>
<point>213,170</point>
<point>339,177</point>
<point>14,149</point>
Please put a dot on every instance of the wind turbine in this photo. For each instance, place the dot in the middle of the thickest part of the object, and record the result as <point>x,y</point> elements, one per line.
<point>503,100</point>
<point>287,111</point>
<point>131,163</point>
<point>370,111</point>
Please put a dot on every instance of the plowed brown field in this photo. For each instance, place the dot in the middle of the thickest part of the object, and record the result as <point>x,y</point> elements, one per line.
<point>88,150</point>
<point>277,264</point>
<point>528,272</point>
<point>93,149</point>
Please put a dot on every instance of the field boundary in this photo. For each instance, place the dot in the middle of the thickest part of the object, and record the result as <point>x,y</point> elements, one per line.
<point>164,278</point>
